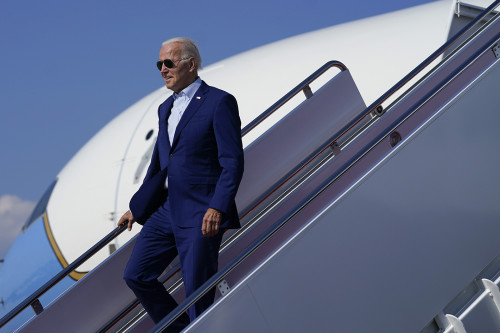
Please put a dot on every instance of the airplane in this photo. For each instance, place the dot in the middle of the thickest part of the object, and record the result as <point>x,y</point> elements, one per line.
<point>377,51</point>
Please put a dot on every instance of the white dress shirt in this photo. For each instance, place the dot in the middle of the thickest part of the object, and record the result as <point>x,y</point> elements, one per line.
<point>181,101</point>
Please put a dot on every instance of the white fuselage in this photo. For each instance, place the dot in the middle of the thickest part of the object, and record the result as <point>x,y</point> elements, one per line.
<point>100,179</point>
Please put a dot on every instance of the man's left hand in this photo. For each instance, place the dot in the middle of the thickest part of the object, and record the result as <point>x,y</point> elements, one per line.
<point>211,221</point>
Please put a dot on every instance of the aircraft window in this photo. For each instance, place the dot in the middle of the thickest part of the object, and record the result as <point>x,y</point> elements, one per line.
<point>41,206</point>
<point>149,135</point>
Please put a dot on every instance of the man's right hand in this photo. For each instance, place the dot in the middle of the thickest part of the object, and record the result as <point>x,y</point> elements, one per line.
<point>127,218</point>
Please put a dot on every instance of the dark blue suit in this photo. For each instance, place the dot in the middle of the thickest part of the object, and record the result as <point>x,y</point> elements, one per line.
<point>204,166</point>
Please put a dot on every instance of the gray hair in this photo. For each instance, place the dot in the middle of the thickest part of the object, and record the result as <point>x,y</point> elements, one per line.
<point>189,49</point>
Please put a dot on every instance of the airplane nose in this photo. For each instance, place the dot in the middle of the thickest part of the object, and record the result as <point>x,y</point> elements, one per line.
<point>29,264</point>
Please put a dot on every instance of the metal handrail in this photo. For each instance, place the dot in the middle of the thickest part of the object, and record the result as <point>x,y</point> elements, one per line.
<point>33,298</point>
<point>433,57</point>
<point>376,106</point>
<point>303,86</point>
<point>219,276</point>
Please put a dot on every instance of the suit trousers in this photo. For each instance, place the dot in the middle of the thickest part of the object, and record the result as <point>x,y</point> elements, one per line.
<point>158,243</point>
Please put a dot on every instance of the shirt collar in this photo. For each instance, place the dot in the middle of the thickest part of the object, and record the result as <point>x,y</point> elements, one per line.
<point>190,90</point>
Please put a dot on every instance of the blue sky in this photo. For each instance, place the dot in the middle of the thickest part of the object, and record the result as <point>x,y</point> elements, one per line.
<point>69,67</point>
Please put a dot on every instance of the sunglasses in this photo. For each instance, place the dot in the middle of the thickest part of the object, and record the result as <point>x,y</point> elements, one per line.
<point>168,63</point>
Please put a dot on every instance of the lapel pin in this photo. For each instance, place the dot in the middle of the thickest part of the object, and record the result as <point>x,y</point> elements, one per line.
<point>198,97</point>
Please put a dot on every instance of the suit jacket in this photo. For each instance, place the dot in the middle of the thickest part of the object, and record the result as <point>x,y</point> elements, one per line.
<point>204,164</point>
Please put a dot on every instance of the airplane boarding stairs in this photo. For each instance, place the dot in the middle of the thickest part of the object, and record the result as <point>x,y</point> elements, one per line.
<point>407,215</point>
<point>278,158</point>
<point>354,219</point>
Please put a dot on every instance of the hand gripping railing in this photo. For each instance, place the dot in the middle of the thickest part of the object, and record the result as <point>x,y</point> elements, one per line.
<point>33,299</point>
<point>372,109</point>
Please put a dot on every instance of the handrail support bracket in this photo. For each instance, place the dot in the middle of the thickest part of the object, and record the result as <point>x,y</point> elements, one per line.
<point>37,306</point>
<point>335,148</point>
<point>307,91</point>
<point>496,50</point>
<point>223,287</point>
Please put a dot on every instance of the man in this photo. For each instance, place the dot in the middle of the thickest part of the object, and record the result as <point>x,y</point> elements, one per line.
<point>199,151</point>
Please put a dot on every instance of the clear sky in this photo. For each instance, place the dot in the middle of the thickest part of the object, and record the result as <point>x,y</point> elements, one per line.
<point>69,67</point>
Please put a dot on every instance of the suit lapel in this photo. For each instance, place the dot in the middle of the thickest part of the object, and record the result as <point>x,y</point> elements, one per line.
<point>192,108</point>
